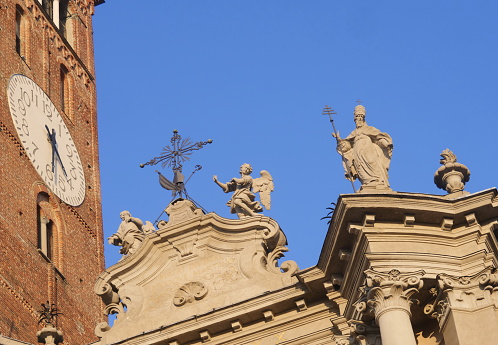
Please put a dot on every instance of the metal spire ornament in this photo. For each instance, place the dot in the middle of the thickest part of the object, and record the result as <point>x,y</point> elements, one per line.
<point>48,313</point>
<point>172,156</point>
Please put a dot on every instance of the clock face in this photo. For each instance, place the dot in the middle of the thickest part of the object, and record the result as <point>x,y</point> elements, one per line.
<point>46,139</point>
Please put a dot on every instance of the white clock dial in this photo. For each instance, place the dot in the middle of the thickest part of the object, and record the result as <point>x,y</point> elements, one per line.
<point>46,139</point>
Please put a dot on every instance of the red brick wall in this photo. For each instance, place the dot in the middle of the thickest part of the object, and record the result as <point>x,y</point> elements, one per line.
<point>27,279</point>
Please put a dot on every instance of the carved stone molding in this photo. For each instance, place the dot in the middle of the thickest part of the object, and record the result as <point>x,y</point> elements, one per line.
<point>233,261</point>
<point>389,291</point>
<point>341,341</point>
<point>409,220</point>
<point>236,326</point>
<point>190,292</point>
<point>363,334</point>
<point>465,292</point>
<point>369,220</point>
<point>268,315</point>
<point>205,336</point>
<point>301,305</point>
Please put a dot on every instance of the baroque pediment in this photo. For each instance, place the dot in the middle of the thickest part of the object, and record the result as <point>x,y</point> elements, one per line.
<point>191,265</point>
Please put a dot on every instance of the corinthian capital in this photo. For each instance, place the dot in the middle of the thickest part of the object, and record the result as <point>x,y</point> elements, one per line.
<point>390,291</point>
<point>463,292</point>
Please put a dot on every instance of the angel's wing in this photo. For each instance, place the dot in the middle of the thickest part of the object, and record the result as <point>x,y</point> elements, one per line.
<point>264,186</point>
<point>148,228</point>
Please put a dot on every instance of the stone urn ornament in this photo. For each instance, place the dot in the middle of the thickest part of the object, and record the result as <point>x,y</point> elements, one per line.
<point>451,176</point>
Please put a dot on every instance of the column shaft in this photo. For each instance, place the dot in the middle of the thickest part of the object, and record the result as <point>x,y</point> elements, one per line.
<point>396,328</point>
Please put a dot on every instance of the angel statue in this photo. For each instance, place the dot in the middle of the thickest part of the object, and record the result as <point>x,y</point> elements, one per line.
<point>243,199</point>
<point>131,233</point>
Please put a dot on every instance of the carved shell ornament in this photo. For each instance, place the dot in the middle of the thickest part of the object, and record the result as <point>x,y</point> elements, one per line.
<point>189,293</point>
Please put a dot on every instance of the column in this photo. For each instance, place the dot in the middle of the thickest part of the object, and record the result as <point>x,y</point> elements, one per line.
<point>466,308</point>
<point>44,235</point>
<point>388,295</point>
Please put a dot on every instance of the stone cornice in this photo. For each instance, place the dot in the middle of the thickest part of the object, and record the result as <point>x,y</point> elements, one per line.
<point>217,319</point>
<point>393,208</point>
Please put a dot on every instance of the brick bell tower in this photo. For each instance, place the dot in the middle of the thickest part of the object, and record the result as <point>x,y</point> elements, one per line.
<point>51,238</point>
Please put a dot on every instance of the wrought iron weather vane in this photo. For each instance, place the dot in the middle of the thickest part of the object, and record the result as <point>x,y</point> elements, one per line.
<point>173,156</point>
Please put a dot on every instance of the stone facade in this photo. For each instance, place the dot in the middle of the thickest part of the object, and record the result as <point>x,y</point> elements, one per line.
<point>35,44</point>
<point>396,268</point>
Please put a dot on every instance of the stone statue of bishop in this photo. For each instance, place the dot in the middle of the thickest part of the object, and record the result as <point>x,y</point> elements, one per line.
<point>366,154</point>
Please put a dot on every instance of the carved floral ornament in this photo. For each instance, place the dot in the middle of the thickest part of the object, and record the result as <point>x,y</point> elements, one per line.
<point>361,334</point>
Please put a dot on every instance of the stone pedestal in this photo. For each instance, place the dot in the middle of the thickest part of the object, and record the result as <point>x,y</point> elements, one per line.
<point>49,335</point>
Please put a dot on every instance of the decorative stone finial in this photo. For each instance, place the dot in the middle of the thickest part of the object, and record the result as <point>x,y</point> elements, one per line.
<point>180,210</point>
<point>243,201</point>
<point>452,176</point>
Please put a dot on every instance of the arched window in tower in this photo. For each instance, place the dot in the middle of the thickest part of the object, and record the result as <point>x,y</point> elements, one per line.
<point>48,6</point>
<point>20,31</point>
<point>45,226</point>
<point>65,20</point>
<point>64,91</point>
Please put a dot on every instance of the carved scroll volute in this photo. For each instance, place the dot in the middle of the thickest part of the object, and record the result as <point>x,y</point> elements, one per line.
<point>275,247</point>
<point>189,293</point>
<point>112,301</point>
<point>113,306</point>
<point>289,267</point>
<point>108,295</point>
<point>272,234</point>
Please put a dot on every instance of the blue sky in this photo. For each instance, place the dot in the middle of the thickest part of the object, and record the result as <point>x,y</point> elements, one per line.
<point>254,77</point>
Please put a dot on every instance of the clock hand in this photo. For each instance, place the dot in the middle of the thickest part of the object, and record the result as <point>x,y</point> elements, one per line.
<point>51,138</point>
<point>55,152</point>
<point>60,161</point>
